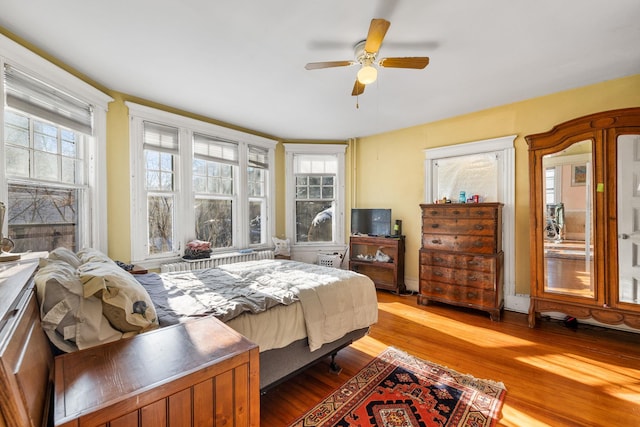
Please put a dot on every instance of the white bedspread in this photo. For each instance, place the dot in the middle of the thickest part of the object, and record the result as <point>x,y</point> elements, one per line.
<point>275,328</point>
<point>334,302</point>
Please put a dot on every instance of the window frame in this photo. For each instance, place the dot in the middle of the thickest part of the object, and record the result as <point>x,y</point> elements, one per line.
<point>93,232</point>
<point>337,150</point>
<point>185,221</point>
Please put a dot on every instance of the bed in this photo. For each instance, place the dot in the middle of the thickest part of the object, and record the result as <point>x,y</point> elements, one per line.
<point>298,313</point>
<point>69,313</point>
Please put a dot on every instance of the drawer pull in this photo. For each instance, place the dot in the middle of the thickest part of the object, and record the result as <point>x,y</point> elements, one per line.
<point>438,273</point>
<point>472,279</point>
<point>456,212</point>
<point>473,263</point>
<point>435,225</point>
<point>437,259</point>
<point>439,290</point>
<point>434,213</point>
<point>478,244</point>
<point>435,241</point>
<point>472,295</point>
<point>479,227</point>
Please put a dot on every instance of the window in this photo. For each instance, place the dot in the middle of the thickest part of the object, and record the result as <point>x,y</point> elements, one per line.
<point>53,141</point>
<point>257,175</point>
<point>315,193</point>
<point>160,155</point>
<point>215,166</point>
<point>44,170</point>
<point>550,185</point>
<point>201,181</point>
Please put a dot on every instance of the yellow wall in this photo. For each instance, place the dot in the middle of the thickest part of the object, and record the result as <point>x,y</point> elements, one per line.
<point>118,183</point>
<point>390,167</point>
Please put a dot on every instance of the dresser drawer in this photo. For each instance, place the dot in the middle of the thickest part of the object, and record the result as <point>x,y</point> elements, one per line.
<point>485,264</point>
<point>444,211</point>
<point>475,227</point>
<point>458,277</point>
<point>458,294</point>
<point>459,243</point>
<point>461,210</point>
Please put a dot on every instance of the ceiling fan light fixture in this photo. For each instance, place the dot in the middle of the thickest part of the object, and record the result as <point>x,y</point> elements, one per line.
<point>367,74</point>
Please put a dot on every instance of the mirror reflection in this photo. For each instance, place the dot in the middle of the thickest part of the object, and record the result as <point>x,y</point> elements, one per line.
<point>568,231</point>
<point>628,218</point>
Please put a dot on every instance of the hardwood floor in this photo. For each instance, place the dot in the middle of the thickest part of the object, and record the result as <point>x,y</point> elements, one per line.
<point>554,376</point>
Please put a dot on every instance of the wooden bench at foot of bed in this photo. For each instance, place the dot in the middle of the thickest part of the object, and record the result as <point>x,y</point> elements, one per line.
<point>167,377</point>
<point>194,372</point>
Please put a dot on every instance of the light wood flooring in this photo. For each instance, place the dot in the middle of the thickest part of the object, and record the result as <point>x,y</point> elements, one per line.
<point>554,376</point>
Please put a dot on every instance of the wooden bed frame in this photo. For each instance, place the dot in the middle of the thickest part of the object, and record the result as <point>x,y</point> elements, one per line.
<point>28,386</point>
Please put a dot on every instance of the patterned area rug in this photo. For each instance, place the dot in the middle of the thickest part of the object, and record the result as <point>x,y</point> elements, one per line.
<point>400,390</point>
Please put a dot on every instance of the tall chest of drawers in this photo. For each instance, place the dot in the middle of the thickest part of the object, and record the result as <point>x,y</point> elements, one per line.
<point>461,259</point>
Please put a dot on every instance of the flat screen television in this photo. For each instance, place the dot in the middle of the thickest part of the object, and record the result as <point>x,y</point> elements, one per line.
<point>374,222</point>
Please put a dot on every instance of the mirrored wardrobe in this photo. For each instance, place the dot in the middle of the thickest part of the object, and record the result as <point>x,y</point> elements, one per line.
<point>585,218</point>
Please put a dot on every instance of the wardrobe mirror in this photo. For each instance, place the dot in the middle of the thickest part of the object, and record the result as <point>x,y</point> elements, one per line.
<point>628,197</point>
<point>568,229</point>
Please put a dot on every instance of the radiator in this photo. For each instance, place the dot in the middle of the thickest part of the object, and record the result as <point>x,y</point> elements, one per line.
<point>216,260</point>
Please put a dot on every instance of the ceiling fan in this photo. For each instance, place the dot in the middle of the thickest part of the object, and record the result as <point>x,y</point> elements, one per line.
<point>366,53</point>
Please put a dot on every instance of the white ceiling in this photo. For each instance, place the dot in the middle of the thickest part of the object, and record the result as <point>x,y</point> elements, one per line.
<point>242,61</point>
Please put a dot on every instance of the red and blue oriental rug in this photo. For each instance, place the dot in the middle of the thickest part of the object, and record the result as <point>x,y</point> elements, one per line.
<point>400,390</point>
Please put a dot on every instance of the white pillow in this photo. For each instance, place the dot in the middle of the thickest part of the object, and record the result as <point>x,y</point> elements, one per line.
<point>66,255</point>
<point>89,254</point>
<point>281,247</point>
<point>125,302</point>
<point>71,321</point>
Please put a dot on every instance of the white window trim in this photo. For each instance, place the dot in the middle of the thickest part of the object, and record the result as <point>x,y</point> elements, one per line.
<point>506,194</point>
<point>184,207</point>
<point>14,54</point>
<point>321,149</point>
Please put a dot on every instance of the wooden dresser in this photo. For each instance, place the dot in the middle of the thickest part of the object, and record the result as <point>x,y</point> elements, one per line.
<point>461,259</point>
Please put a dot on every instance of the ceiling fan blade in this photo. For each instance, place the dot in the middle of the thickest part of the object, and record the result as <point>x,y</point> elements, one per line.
<point>327,64</point>
<point>358,88</point>
<point>417,62</point>
<point>377,31</point>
